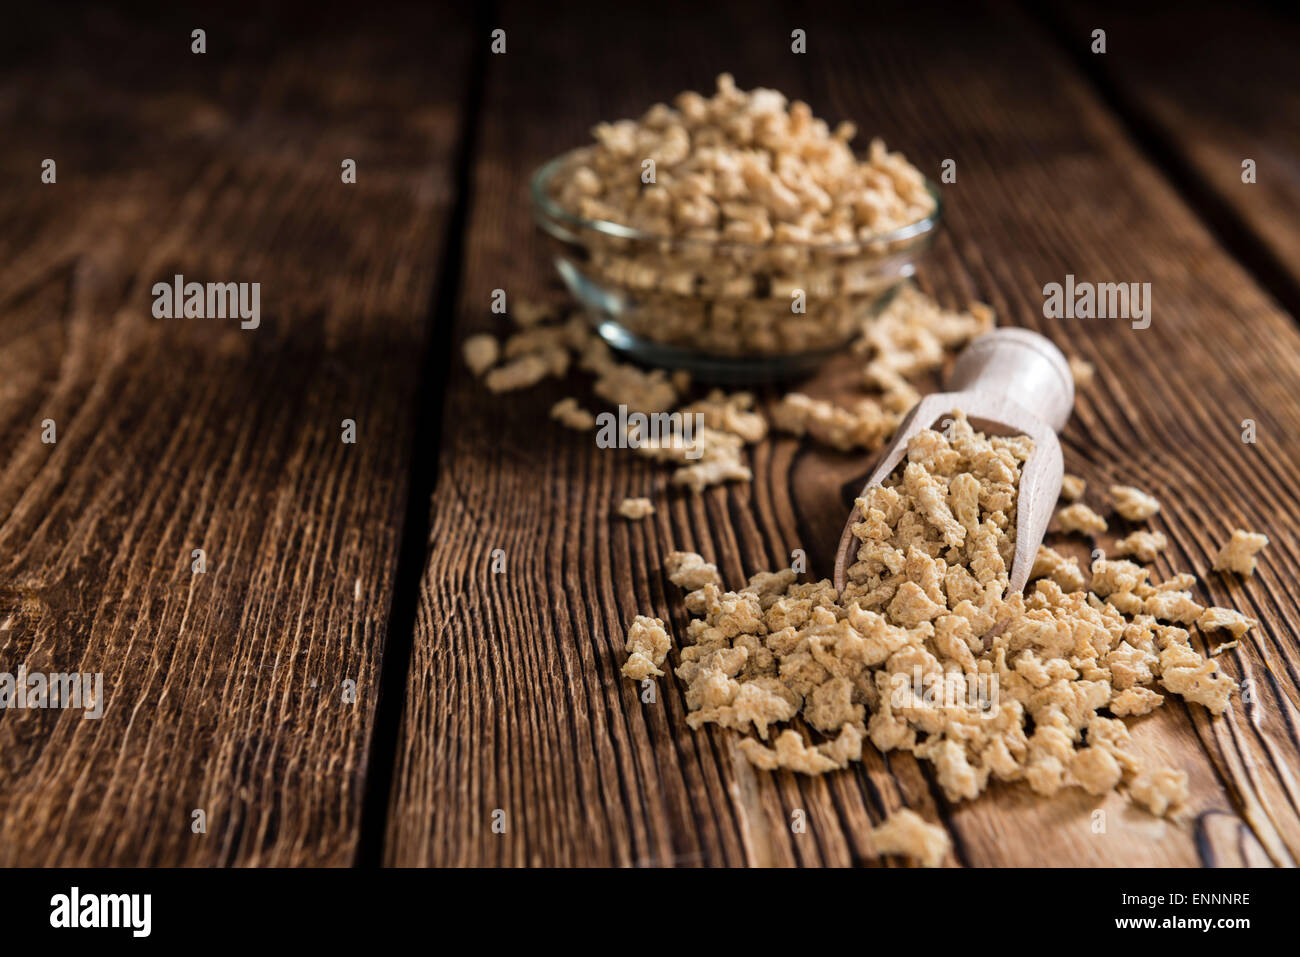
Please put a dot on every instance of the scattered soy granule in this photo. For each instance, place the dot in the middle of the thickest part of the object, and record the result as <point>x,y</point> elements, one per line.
<point>1049,563</point>
<point>639,390</point>
<point>531,312</point>
<point>1082,371</point>
<point>1144,546</point>
<point>789,751</point>
<point>546,346</point>
<point>1135,701</point>
<point>647,646</point>
<point>520,373</point>
<point>572,416</point>
<point>912,336</point>
<point>1072,488</point>
<point>1133,504</point>
<point>730,413</point>
<point>908,834</point>
<point>689,571</point>
<point>481,353</point>
<point>1080,518</point>
<point>1226,618</point>
<point>1175,606</point>
<point>1239,554</point>
<point>926,651</point>
<point>636,508</point>
<point>865,426</point>
<point>1159,790</point>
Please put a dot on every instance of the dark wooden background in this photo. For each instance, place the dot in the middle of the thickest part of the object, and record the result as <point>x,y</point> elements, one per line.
<point>326,563</point>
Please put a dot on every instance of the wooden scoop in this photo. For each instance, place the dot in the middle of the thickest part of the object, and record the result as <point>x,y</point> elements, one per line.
<point>1008,382</point>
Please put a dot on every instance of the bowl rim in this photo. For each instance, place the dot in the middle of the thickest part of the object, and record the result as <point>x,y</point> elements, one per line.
<point>543,204</point>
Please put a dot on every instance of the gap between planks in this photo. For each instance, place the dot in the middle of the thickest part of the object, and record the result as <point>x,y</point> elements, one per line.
<point>380,767</point>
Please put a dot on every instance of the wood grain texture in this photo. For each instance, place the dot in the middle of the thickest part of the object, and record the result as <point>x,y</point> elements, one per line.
<point>224,690</point>
<point>1211,86</point>
<point>515,703</point>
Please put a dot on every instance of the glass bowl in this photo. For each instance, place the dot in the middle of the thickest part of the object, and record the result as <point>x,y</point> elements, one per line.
<point>722,310</point>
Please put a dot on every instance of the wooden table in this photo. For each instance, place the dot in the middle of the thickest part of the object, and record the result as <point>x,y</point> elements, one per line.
<point>325,570</point>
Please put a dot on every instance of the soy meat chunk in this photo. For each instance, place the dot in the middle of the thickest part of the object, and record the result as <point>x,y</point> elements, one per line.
<point>1239,554</point>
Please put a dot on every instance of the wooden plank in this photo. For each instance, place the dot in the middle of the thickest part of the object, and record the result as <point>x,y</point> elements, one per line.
<point>516,701</point>
<point>1211,88</point>
<point>223,691</point>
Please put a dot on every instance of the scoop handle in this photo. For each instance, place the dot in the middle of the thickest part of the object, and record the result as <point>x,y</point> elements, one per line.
<point>1020,365</point>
